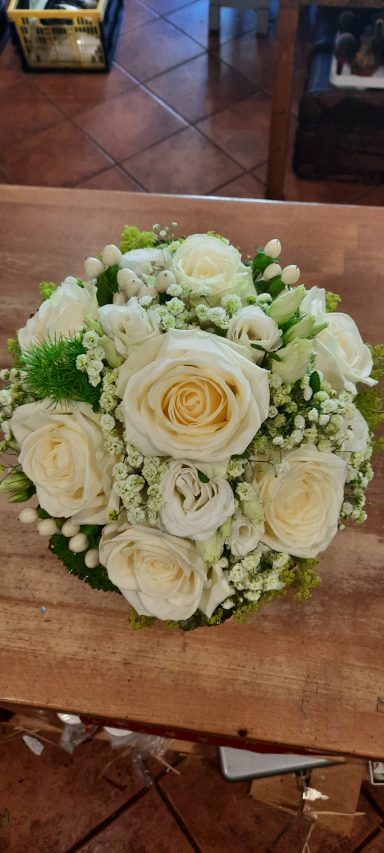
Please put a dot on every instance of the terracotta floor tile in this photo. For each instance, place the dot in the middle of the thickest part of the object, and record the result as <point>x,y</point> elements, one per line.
<point>251,55</point>
<point>54,800</point>
<point>147,827</point>
<point>246,186</point>
<point>11,68</point>
<point>323,840</point>
<point>220,815</point>
<point>162,47</point>
<point>163,7</point>
<point>73,93</point>
<point>60,157</point>
<point>127,123</point>
<point>201,87</point>
<point>111,179</point>
<point>184,163</point>
<point>193,20</point>
<point>373,196</point>
<point>377,843</point>
<point>23,112</point>
<point>241,130</point>
<point>136,14</point>
<point>298,189</point>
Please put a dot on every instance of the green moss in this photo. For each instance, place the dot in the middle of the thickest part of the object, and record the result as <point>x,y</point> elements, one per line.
<point>332,300</point>
<point>138,622</point>
<point>13,348</point>
<point>133,238</point>
<point>377,351</point>
<point>51,372</point>
<point>46,289</point>
<point>305,578</point>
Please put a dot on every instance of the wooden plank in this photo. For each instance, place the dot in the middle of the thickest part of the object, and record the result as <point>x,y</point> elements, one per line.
<point>306,675</point>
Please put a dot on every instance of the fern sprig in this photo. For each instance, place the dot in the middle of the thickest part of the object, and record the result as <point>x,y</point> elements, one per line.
<point>51,372</point>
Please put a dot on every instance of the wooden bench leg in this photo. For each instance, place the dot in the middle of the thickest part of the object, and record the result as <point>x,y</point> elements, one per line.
<point>214,17</point>
<point>281,98</point>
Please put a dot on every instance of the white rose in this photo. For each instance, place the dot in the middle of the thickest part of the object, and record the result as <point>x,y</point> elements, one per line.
<point>293,360</point>
<point>146,261</point>
<point>314,303</point>
<point>341,354</point>
<point>60,315</point>
<point>206,261</point>
<point>192,508</point>
<point>192,395</point>
<point>250,325</point>
<point>245,535</point>
<point>62,452</point>
<point>359,438</point>
<point>160,575</point>
<point>302,503</point>
<point>129,325</point>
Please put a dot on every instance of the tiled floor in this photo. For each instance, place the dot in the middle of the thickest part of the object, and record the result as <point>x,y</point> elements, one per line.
<point>182,111</point>
<point>95,802</point>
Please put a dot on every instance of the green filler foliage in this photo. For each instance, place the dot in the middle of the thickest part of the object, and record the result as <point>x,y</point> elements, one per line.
<point>51,372</point>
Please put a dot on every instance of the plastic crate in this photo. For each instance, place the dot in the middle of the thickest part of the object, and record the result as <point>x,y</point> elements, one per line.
<point>59,39</point>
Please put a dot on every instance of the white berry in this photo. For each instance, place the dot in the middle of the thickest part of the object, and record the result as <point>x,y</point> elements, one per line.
<point>28,515</point>
<point>111,255</point>
<point>271,271</point>
<point>93,267</point>
<point>92,558</point>
<point>78,543</point>
<point>47,527</point>
<point>70,529</point>
<point>290,274</point>
<point>128,282</point>
<point>273,248</point>
<point>163,280</point>
<point>147,290</point>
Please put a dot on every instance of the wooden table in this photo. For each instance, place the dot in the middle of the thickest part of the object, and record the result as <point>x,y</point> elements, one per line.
<point>304,675</point>
<point>282,84</point>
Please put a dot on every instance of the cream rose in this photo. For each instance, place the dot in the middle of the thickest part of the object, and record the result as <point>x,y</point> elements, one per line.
<point>190,507</point>
<point>129,325</point>
<point>206,261</point>
<point>60,315</point>
<point>62,452</point>
<point>302,504</point>
<point>314,303</point>
<point>146,261</point>
<point>160,575</point>
<point>341,354</point>
<point>192,395</point>
<point>251,326</point>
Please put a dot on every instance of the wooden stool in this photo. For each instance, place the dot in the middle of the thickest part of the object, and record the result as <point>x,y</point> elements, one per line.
<point>261,7</point>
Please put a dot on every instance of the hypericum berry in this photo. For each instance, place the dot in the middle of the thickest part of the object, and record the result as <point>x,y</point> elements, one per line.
<point>111,255</point>
<point>47,527</point>
<point>290,274</point>
<point>93,267</point>
<point>273,248</point>
<point>28,515</point>
<point>69,528</point>
<point>271,271</point>
<point>78,543</point>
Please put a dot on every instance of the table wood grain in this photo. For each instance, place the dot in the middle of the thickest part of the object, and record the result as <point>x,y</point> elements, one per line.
<point>304,675</point>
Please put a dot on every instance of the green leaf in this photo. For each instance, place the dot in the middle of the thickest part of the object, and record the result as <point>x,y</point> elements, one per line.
<point>314,381</point>
<point>107,285</point>
<point>202,477</point>
<point>258,346</point>
<point>276,286</point>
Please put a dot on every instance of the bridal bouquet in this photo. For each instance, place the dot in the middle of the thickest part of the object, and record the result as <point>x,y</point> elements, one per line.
<point>189,424</point>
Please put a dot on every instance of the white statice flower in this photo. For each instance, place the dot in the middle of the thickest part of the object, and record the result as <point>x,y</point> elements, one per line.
<point>203,259</point>
<point>358,439</point>
<point>160,575</point>
<point>245,535</point>
<point>129,326</point>
<point>61,315</point>
<point>190,507</point>
<point>147,261</point>
<point>314,303</point>
<point>341,354</point>
<point>62,452</point>
<point>302,505</point>
<point>250,326</point>
<point>192,395</point>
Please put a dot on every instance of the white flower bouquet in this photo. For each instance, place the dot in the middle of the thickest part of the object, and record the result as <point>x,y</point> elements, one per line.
<point>190,425</point>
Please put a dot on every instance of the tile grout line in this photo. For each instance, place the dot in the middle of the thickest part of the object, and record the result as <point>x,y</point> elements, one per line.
<point>176,817</point>
<point>104,824</point>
